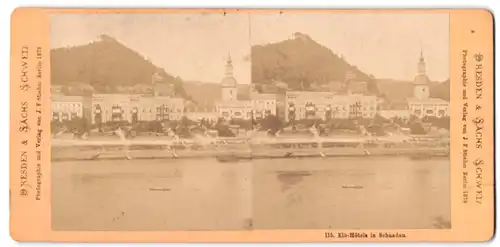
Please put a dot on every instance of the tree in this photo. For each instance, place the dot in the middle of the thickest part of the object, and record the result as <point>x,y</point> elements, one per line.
<point>243,123</point>
<point>65,90</point>
<point>272,123</point>
<point>442,123</point>
<point>224,131</point>
<point>344,124</point>
<point>380,120</point>
<point>54,126</point>
<point>417,129</point>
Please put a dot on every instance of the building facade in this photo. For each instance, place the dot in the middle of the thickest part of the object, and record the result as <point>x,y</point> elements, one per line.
<point>235,109</point>
<point>421,104</point>
<point>65,108</point>
<point>431,107</point>
<point>263,105</point>
<point>402,114</point>
<point>328,105</point>
<point>133,108</point>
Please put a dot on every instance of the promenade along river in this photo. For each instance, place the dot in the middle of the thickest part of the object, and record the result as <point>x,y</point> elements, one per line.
<point>204,194</point>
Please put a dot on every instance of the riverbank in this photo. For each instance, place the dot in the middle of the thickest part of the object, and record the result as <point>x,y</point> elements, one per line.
<point>234,153</point>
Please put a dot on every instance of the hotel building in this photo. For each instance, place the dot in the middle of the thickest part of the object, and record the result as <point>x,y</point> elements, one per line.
<point>421,105</point>
<point>65,107</point>
<point>133,107</point>
<point>328,105</point>
<point>263,104</point>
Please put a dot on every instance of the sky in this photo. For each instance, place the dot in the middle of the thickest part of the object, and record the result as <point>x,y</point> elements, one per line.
<point>196,46</point>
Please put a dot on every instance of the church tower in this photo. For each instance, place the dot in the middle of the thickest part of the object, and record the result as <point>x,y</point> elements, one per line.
<point>229,84</point>
<point>421,82</point>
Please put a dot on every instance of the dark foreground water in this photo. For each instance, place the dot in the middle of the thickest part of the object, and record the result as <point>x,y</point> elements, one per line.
<point>376,193</point>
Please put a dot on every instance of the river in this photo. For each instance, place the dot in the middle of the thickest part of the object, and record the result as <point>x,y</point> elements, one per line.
<point>204,194</point>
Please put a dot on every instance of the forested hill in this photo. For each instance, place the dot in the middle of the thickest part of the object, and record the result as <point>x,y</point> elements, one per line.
<point>300,62</point>
<point>106,65</point>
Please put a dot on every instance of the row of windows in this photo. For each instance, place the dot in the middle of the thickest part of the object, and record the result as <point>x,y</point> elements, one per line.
<point>440,112</point>
<point>236,114</point>
<point>150,110</point>
<point>337,102</point>
<point>429,105</point>
<point>341,114</point>
<point>267,102</point>
<point>427,109</point>
<point>339,108</point>
<point>68,104</point>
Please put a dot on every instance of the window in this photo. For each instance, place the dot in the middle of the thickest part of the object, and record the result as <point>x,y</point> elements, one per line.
<point>430,112</point>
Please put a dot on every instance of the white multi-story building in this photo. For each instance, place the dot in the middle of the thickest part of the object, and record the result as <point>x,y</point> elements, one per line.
<point>403,114</point>
<point>421,105</point>
<point>235,109</point>
<point>328,105</point>
<point>431,107</point>
<point>68,107</point>
<point>113,107</point>
<point>133,107</point>
<point>263,105</point>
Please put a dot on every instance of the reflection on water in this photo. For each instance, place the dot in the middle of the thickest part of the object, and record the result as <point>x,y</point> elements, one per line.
<point>377,193</point>
<point>290,178</point>
<point>353,193</point>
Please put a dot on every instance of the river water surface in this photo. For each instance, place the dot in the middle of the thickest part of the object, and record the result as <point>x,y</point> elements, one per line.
<point>204,194</point>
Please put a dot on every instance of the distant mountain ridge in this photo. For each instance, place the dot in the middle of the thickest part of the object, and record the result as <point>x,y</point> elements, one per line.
<point>106,65</point>
<point>302,62</point>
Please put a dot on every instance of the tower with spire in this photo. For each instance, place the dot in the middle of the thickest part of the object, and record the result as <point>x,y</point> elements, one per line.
<point>421,81</point>
<point>229,86</point>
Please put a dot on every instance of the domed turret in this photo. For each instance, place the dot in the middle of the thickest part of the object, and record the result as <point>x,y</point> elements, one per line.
<point>229,84</point>
<point>229,80</point>
<point>421,81</point>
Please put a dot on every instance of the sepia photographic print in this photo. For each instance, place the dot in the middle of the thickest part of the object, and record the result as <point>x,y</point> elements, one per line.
<point>248,121</point>
<point>262,125</point>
